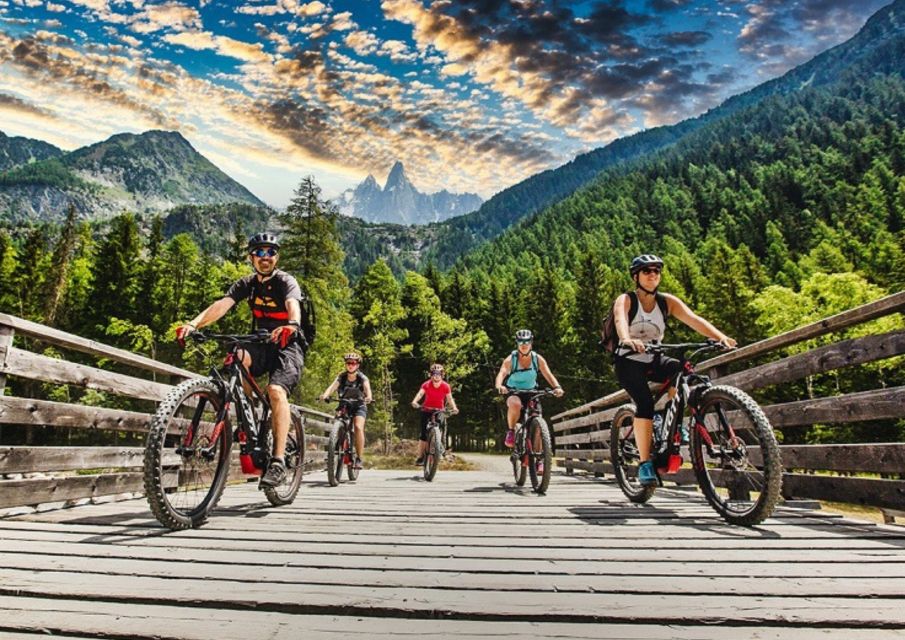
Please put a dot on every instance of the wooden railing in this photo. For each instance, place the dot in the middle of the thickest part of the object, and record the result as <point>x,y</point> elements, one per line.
<point>865,474</point>
<point>33,475</point>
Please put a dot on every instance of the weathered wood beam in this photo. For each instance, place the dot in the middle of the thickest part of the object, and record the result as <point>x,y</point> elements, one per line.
<point>39,367</point>
<point>83,345</point>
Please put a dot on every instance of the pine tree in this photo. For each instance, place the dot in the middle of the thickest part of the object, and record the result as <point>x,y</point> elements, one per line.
<point>310,245</point>
<point>59,267</point>
<point>116,275</point>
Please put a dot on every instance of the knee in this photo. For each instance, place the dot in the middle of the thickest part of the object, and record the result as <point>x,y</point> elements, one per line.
<point>276,393</point>
<point>245,357</point>
<point>514,402</point>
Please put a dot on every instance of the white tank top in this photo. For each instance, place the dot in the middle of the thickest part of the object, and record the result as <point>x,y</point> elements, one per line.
<point>647,326</point>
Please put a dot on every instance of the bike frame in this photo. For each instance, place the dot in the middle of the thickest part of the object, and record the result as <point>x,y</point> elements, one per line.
<point>666,453</point>
<point>251,430</point>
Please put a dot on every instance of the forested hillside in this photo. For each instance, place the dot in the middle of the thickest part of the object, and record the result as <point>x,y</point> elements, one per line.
<point>787,211</point>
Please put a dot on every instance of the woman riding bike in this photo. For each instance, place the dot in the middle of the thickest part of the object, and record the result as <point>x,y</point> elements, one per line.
<point>519,373</point>
<point>436,393</point>
<point>640,317</point>
<point>352,378</point>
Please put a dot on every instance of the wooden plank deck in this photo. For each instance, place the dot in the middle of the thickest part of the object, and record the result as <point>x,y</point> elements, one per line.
<point>467,556</point>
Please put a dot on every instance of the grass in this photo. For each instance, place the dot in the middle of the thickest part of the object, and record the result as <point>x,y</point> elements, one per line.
<point>402,455</point>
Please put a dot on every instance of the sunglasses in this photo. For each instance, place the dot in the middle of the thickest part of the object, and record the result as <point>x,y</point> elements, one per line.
<point>649,270</point>
<point>523,341</point>
<point>269,252</point>
<point>436,373</point>
<point>351,362</point>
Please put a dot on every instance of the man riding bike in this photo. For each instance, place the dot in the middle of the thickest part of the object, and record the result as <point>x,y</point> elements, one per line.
<point>353,379</point>
<point>274,297</point>
<point>634,367</point>
<point>436,392</point>
<point>519,373</point>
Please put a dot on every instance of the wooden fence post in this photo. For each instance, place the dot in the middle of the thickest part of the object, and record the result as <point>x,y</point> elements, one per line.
<point>6,341</point>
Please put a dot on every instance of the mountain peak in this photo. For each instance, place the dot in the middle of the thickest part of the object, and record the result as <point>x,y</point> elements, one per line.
<point>397,176</point>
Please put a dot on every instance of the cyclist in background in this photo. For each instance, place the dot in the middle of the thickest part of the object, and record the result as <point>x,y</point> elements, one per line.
<point>519,372</point>
<point>356,384</point>
<point>634,367</point>
<point>274,297</point>
<point>436,393</point>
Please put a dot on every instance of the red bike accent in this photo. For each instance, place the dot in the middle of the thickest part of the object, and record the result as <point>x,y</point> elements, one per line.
<point>675,462</point>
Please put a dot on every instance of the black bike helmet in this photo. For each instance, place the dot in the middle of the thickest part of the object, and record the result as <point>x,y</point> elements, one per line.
<point>645,260</point>
<point>263,240</point>
<point>524,334</point>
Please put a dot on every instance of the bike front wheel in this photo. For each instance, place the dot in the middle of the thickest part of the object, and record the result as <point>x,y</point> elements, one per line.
<point>294,458</point>
<point>540,455</point>
<point>186,459</point>
<point>335,453</point>
<point>519,471</point>
<point>624,456</point>
<point>735,456</point>
<point>432,455</point>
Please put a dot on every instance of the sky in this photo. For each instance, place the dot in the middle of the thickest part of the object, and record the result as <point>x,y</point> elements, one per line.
<point>471,95</point>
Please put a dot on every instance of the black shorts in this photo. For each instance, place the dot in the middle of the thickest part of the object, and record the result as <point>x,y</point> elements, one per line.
<point>425,418</point>
<point>284,365</point>
<point>634,376</point>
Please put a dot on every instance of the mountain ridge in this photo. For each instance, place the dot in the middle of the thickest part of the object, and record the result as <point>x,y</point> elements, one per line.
<point>150,172</point>
<point>400,202</point>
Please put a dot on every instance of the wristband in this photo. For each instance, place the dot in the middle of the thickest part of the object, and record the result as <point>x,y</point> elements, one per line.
<point>293,323</point>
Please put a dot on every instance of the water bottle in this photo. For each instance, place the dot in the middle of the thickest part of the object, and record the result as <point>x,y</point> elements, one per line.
<point>659,429</point>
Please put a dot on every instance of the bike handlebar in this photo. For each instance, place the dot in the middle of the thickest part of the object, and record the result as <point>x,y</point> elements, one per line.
<point>536,393</point>
<point>262,335</point>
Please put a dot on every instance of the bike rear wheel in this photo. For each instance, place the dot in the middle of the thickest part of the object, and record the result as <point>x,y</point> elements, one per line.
<point>540,461</point>
<point>294,458</point>
<point>432,455</point>
<point>735,456</point>
<point>186,459</point>
<point>335,453</point>
<point>624,456</point>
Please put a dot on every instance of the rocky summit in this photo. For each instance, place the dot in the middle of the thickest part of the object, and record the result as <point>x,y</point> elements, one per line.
<point>400,202</point>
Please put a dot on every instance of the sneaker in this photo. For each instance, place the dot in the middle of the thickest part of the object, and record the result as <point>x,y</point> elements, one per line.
<point>419,461</point>
<point>510,438</point>
<point>647,477</point>
<point>275,475</point>
<point>357,463</point>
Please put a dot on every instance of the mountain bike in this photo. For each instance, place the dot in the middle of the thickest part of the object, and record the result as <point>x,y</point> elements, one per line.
<point>532,454</point>
<point>436,442</point>
<point>187,455</point>
<point>341,444</point>
<point>734,453</point>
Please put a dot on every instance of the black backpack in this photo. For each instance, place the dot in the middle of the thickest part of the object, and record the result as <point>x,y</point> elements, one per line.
<point>609,339</point>
<point>307,325</point>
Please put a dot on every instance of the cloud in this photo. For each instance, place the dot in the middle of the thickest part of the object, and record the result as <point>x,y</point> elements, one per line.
<point>685,38</point>
<point>224,45</point>
<point>363,42</point>
<point>11,103</point>
<point>780,35</point>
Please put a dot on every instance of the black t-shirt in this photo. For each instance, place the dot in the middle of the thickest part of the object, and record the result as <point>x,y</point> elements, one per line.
<point>355,388</point>
<point>267,299</point>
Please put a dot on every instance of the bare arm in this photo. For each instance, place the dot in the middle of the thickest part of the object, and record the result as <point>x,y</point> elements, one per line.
<point>620,317</point>
<point>452,403</point>
<point>294,311</point>
<point>330,390</point>
<point>212,313</point>
<point>545,370</point>
<point>505,368</point>
<point>417,398</point>
<point>368,396</point>
<point>682,311</point>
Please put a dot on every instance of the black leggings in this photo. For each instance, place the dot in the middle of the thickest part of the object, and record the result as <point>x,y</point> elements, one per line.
<point>634,377</point>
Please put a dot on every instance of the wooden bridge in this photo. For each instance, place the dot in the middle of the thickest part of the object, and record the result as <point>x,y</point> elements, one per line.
<point>467,556</point>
